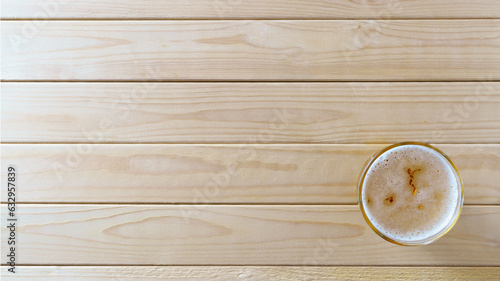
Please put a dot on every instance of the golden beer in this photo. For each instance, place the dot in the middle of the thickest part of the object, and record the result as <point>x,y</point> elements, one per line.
<point>410,193</point>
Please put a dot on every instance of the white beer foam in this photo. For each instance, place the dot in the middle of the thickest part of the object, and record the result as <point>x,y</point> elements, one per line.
<point>410,217</point>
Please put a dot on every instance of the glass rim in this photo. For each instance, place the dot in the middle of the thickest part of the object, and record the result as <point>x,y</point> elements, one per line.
<point>432,238</point>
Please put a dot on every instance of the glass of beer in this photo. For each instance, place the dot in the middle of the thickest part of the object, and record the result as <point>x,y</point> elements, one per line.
<point>410,193</point>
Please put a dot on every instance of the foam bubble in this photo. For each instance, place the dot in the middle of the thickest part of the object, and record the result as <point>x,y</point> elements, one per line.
<point>410,193</point>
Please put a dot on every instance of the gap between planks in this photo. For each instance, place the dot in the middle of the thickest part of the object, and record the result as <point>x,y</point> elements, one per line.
<point>187,204</point>
<point>257,81</point>
<point>239,144</point>
<point>246,19</point>
<point>252,265</point>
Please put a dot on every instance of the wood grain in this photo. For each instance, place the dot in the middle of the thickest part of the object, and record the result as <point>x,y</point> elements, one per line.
<point>220,173</point>
<point>231,273</point>
<point>251,112</point>
<point>270,9</point>
<point>243,50</point>
<point>238,235</point>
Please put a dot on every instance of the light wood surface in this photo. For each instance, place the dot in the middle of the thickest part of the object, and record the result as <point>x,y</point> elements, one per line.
<point>253,173</point>
<point>251,112</point>
<point>245,234</point>
<point>287,50</point>
<point>270,9</point>
<point>223,139</point>
<point>231,273</point>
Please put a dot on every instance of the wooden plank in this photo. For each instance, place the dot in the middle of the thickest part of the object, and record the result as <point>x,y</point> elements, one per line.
<point>238,235</point>
<point>270,9</point>
<point>251,112</point>
<point>220,273</point>
<point>220,173</point>
<point>285,50</point>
